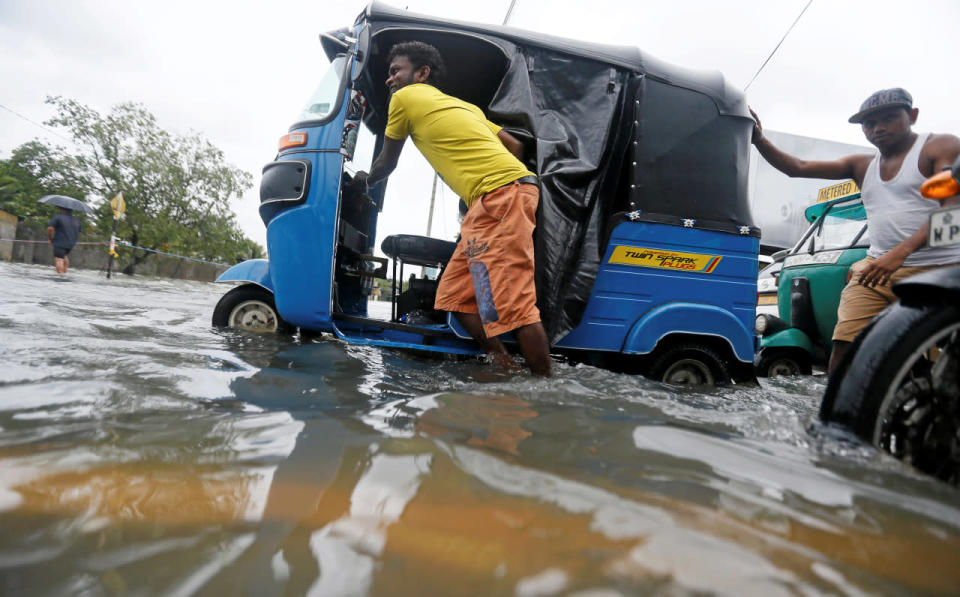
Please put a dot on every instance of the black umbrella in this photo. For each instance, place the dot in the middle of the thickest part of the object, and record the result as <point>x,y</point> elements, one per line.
<point>66,203</point>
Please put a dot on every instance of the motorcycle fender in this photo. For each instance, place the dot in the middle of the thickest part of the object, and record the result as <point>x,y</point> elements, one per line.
<point>255,271</point>
<point>693,319</point>
<point>788,338</point>
<point>939,284</point>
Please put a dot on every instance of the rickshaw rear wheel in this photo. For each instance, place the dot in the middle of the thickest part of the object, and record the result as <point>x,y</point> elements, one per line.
<point>689,364</point>
<point>250,308</point>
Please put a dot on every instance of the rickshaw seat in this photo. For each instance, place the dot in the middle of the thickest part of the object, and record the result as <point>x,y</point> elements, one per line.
<point>418,250</point>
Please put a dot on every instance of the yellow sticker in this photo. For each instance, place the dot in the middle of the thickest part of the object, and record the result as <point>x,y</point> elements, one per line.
<point>842,189</point>
<point>685,262</point>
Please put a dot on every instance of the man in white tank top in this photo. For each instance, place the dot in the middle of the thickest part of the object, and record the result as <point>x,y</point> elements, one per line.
<point>897,215</point>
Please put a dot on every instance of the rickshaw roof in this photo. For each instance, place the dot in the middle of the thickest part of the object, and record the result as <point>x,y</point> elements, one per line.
<point>712,83</point>
<point>854,211</point>
<point>625,56</point>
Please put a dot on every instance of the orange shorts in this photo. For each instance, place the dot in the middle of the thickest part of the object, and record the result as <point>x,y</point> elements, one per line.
<point>859,304</point>
<point>491,270</point>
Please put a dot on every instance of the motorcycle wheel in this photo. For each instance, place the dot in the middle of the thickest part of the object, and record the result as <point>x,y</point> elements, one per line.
<point>249,308</point>
<point>901,390</point>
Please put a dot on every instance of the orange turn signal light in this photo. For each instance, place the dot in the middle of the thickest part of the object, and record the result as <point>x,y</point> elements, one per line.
<point>940,186</point>
<point>292,140</point>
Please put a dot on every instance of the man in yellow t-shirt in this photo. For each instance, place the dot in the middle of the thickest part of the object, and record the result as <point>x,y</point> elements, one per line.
<point>489,282</point>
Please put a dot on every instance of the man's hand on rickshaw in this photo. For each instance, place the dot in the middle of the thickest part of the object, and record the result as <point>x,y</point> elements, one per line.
<point>359,182</point>
<point>878,272</point>
<point>757,127</point>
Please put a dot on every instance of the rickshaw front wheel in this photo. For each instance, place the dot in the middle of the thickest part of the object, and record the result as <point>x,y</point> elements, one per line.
<point>781,364</point>
<point>689,365</point>
<point>249,308</point>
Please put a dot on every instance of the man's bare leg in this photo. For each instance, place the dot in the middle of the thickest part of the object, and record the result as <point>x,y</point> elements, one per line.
<point>58,263</point>
<point>535,348</point>
<point>494,347</point>
<point>66,263</point>
<point>839,347</point>
<point>532,339</point>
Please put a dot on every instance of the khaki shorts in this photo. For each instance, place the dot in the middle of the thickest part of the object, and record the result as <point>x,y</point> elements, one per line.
<point>859,304</point>
<point>491,270</point>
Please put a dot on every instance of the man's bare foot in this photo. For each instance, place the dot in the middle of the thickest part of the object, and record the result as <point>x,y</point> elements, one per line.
<point>506,361</point>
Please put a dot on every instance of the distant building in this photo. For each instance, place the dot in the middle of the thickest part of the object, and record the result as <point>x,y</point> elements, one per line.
<point>777,201</point>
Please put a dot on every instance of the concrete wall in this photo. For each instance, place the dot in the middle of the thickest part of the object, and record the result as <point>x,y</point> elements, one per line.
<point>96,257</point>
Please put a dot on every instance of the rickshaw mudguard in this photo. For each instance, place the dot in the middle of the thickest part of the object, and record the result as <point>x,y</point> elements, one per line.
<point>690,319</point>
<point>254,271</point>
<point>788,338</point>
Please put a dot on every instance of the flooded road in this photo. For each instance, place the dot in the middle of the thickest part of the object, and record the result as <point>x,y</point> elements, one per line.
<point>143,452</point>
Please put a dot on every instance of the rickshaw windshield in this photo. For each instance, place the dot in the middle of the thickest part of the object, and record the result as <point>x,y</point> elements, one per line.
<point>324,99</point>
<point>840,227</point>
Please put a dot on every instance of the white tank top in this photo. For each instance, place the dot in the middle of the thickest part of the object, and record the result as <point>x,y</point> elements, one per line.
<point>896,209</point>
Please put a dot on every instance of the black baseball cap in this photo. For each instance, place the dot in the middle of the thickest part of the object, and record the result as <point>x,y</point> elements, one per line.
<point>885,98</point>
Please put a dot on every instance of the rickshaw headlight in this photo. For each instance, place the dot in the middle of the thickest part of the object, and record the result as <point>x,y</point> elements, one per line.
<point>761,324</point>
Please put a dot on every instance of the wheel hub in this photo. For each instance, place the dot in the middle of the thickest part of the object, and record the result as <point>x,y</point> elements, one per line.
<point>923,429</point>
<point>688,372</point>
<point>783,367</point>
<point>253,316</point>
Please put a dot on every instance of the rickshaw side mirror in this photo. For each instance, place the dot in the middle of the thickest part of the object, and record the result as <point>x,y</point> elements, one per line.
<point>780,255</point>
<point>363,46</point>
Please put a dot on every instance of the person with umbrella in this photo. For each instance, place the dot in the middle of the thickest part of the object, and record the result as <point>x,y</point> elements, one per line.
<point>63,228</point>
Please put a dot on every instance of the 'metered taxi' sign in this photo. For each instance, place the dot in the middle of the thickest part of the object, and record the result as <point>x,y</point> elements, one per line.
<point>672,260</point>
<point>847,187</point>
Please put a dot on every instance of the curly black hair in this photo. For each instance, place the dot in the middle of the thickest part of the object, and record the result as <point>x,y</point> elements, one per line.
<point>421,54</point>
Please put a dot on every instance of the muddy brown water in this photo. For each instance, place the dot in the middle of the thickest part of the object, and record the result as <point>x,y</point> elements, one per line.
<point>143,452</point>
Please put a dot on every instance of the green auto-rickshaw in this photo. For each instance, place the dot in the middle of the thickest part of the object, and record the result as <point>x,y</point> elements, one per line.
<point>809,284</point>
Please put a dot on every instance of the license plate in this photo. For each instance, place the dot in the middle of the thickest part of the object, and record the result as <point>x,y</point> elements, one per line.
<point>768,299</point>
<point>945,227</point>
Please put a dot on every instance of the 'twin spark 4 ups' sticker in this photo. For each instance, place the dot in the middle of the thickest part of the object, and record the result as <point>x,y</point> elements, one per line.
<point>672,260</point>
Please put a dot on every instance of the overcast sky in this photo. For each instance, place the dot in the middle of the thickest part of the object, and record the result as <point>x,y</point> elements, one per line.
<point>238,72</point>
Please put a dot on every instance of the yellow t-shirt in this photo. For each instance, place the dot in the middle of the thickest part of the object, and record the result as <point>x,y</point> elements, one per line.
<point>455,137</point>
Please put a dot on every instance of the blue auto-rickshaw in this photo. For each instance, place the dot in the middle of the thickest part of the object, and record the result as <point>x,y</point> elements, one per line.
<point>646,255</point>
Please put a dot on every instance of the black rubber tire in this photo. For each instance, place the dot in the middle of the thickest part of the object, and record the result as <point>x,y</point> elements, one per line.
<point>264,310</point>
<point>775,363</point>
<point>686,363</point>
<point>886,395</point>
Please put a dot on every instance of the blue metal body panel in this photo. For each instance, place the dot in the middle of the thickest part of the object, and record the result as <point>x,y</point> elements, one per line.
<point>632,307</point>
<point>300,239</point>
<point>256,271</point>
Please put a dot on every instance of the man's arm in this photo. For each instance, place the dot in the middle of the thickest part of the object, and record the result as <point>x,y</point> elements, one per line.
<point>383,166</point>
<point>943,151</point>
<point>512,144</point>
<point>851,166</point>
<point>50,233</point>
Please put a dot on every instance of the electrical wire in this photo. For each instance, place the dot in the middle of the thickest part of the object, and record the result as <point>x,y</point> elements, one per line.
<point>795,21</point>
<point>506,18</point>
<point>52,132</point>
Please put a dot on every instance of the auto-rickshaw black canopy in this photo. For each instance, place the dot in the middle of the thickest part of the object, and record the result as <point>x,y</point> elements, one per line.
<point>608,129</point>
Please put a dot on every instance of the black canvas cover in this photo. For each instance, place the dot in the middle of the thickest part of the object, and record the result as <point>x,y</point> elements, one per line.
<point>607,129</point>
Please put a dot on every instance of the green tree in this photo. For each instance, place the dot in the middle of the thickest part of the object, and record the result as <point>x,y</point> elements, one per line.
<point>32,171</point>
<point>176,187</point>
